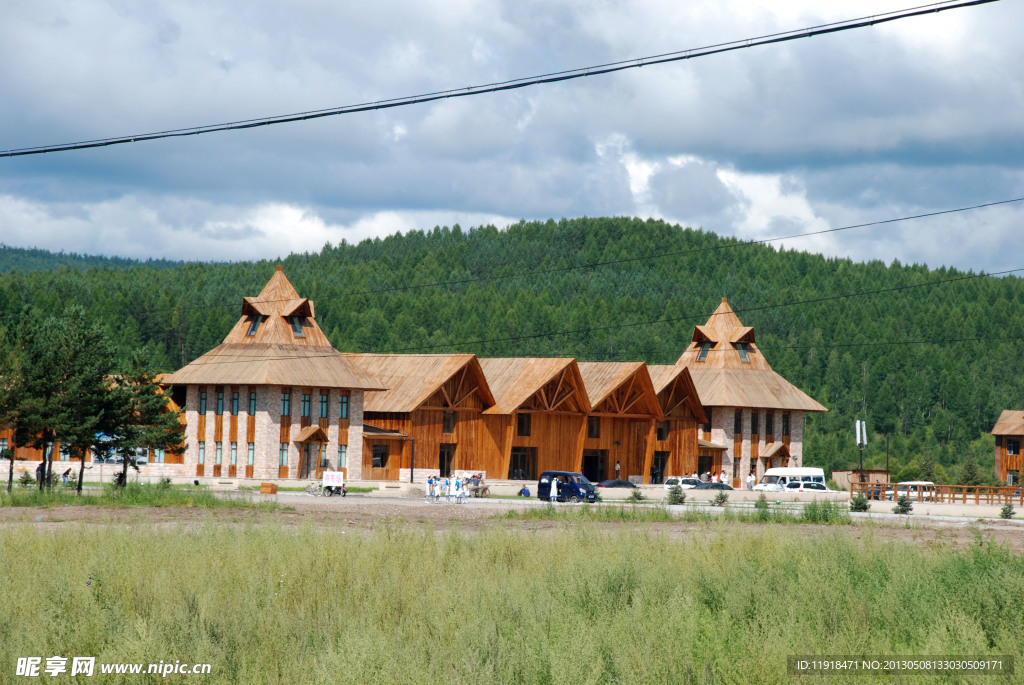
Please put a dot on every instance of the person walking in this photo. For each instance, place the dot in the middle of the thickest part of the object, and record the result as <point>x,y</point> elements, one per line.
<point>616,470</point>
<point>554,489</point>
<point>750,481</point>
<point>427,491</point>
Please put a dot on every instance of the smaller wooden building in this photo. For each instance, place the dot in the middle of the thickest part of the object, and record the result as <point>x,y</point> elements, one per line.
<point>1009,432</point>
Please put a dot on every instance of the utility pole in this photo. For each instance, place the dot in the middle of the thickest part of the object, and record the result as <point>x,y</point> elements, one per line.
<point>862,440</point>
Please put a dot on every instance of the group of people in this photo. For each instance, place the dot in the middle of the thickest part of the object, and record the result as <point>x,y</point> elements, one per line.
<point>449,488</point>
<point>708,477</point>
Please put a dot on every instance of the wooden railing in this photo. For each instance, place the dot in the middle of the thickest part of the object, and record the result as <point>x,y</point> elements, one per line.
<point>941,494</point>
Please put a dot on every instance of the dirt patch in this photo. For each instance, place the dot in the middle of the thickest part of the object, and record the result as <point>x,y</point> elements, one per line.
<point>362,513</point>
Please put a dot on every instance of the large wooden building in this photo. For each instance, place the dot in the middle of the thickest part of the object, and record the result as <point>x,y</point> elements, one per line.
<point>1009,432</point>
<point>275,399</point>
<point>755,413</point>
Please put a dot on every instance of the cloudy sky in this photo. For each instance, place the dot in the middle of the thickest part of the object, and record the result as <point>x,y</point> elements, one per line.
<point>915,116</point>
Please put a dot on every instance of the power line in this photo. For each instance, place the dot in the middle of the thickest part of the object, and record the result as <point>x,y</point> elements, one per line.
<point>513,84</point>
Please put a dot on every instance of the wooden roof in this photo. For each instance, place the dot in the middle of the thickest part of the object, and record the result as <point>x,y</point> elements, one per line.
<point>274,355</point>
<point>538,383</point>
<point>1011,422</point>
<point>723,379</point>
<point>619,388</point>
<point>676,388</point>
<point>412,379</point>
<point>708,445</point>
<point>276,301</point>
<point>775,449</point>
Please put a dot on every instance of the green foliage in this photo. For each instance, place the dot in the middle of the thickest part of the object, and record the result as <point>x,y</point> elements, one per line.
<point>860,503</point>
<point>134,495</point>
<point>676,496</point>
<point>903,505</point>
<point>969,473</point>
<point>635,495</point>
<point>831,484</point>
<point>935,401</point>
<point>720,500</point>
<point>26,480</point>
<point>1007,511</point>
<point>824,512</point>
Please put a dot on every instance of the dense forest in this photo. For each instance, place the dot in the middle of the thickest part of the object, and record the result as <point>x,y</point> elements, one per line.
<point>929,357</point>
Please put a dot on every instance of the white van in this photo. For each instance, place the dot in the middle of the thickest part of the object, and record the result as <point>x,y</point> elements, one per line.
<point>776,480</point>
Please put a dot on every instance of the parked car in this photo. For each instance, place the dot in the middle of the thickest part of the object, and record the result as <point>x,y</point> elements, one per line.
<point>713,486</point>
<point>803,486</point>
<point>685,483</point>
<point>615,484</point>
<point>573,487</point>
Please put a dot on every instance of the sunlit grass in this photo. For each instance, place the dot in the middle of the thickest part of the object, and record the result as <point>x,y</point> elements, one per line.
<point>133,495</point>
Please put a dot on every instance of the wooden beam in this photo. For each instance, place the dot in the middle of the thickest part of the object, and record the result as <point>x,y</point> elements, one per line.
<point>569,394</point>
<point>467,395</point>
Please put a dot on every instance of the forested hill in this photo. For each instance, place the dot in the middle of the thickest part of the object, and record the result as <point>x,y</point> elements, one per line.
<point>34,259</point>
<point>620,289</point>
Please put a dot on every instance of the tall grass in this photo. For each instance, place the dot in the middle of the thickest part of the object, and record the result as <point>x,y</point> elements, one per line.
<point>132,495</point>
<point>825,513</point>
<point>267,605</point>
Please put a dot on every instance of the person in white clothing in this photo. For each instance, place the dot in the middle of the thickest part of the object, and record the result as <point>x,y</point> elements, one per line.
<point>554,490</point>
<point>750,480</point>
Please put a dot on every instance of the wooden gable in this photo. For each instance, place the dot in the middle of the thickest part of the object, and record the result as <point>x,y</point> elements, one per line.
<point>620,389</point>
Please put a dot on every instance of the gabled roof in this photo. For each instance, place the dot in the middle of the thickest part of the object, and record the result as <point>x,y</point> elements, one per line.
<point>1011,422</point>
<point>515,380</point>
<point>674,386</point>
<point>412,379</point>
<point>603,380</point>
<point>274,356</point>
<point>723,379</point>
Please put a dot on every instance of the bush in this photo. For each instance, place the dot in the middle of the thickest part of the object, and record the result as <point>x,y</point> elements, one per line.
<point>833,485</point>
<point>676,496</point>
<point>720,500</point>
<point>26,480</point>
<point>903,506</point>
<point>637,496</point>
<point>824,512</point>
<point>860,503</point>
<point>1007,512</point>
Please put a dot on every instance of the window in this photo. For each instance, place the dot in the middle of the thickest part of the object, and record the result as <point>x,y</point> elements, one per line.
<point>254,323</point>
<point>737,424</point>
<point>219,457</point>
<point>1012,446</point>
<point>305,406</point>
<point>252,403</point>
<point>704,348</point>
<point>202,402</point>
<point>220,403</point>
<point>323,405</point>
<point>707,413</point>
<point>234,404</point>
<point>769,424</point>
<point>343,407</point>
<point>286,404</point>
<point>593,426</point>
<point>3,444</point>
<point>523,424</point>
<point>448,422</point>
<point>282,455</point>
<point>65,454</point>
<point>755,419</point>
<point>342,456</point>
<point>202,453</point>
<point>742,349</point>
<point>252,453</point>
<point>296,322</point>
<point>785,424</point>
<point>380,456</point>
<point>323,459</point>
<point>158,455</point>
<point>662,431</point>
<point>234,453</point>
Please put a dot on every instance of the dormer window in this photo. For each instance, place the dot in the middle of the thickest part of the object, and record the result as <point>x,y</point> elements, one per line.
<point>296,322</point>
<point>705,347</point>
<point>254,323</point>
<point>742,349</point>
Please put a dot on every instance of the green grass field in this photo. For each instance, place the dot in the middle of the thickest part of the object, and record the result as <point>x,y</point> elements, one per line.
<point>133,495</point>
<point>574,604</point>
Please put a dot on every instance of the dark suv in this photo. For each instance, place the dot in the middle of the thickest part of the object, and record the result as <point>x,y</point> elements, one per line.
<point>573,487</point>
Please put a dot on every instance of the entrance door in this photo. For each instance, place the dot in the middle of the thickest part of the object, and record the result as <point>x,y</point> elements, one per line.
<point>705,464</point>
<point>659,463</point>
<point>321,460</point>
<point>595,465</point>
<point>306,460</point>
<point>445,456</point>
<point>523,463</point>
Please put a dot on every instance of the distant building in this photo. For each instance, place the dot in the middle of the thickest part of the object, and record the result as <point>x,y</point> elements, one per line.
<point>275,399</point>
<point>1009,432</point>
<point>753,412</point>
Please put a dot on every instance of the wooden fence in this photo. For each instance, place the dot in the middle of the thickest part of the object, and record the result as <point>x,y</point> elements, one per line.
<point>942,494</point>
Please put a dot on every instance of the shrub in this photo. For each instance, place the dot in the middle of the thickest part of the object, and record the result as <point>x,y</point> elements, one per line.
<point>637,496</point>
<point>903,506</point>
<point>827,513</point>
<point>26,480</point>
<point>762,502</point>
<point>720,500</point>
<point>860,503</point>
<point>676,496</point>
<point>1007,512</point>
<point>833,485</point>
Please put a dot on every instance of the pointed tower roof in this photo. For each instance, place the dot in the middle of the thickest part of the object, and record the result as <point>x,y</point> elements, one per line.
<point>277,341</point>
<point>729,370</point>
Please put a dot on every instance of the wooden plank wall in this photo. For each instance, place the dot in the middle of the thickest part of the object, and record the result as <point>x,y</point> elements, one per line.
<point>625,441</point>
